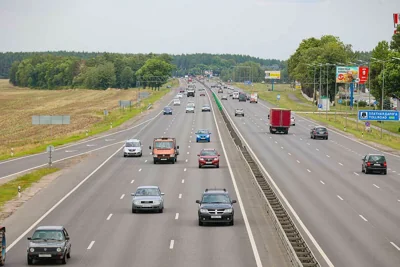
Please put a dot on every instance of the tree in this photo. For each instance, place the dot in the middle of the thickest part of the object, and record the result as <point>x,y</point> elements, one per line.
<point>381,52</point>
<point>154,72</point>
<point>127,78</point>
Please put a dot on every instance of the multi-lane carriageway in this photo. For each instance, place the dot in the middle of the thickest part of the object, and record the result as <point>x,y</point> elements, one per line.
<point>92,199</point>
<point>349,218</point>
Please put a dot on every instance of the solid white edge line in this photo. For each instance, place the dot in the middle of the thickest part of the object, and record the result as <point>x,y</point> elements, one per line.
<point>340,197</point>
<point>171,244</point>
<point>109,217</point>
<point>376,186</point>
<point>177,216</point>
<point>362,217</point>
<point>239,199</point>
<point>91,245</point>
<point>394,245</point>
<point>296,216</point>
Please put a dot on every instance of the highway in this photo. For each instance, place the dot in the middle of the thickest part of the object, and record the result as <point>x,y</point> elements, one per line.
<point>92,200</point>
<point>354,217</point>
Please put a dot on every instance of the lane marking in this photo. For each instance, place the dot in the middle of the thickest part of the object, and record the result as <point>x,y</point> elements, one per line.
<point>356,173</point>
<point>176,216</point>
<point>123,195</point>
<point>187,152</point>
<point>298,161</point>
<point>276,142</point>
<point>188,146</point>
<point>281,147</point>
<point>362,217</point>
<point>184,169</point>
<point>393,171</point>
<point>164,133</point>
<point>376,186</point>
<point>186,160</point>
<point>91,245</point>
<point>308,170</point>
<point>183,181</point>
<point>180,196</point>
<point>340,197</point>
<point>308,143</point>
<point>341,164</point>
<point>328,156</point>
<point>145,161</point>
<point>70,151</point>
<point>109,217</point>
<point>140,170</point>
<point>107,140</point>
<point>239,198</point>
<point>394,245</point>
<point>132,181</point>
<point>322,182</point>
<point>171,244</point>
<point>317,149</point>
<point>289,154</point>
<point>301,139</point>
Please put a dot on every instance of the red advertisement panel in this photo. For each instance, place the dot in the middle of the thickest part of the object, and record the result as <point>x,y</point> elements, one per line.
<point>363,74</point>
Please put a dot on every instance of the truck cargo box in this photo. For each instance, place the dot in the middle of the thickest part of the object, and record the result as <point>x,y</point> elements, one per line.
<point>279,120</point>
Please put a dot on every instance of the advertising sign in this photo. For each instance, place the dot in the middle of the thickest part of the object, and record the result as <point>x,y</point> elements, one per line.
<point>297,85</point>
<point>346,74</point>
<point>363,74</point>
<point>378,115</point>
<point>272,75</point>
<point>396,19</point>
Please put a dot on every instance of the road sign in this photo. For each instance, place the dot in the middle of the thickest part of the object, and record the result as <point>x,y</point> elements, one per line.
<point>278,96</point>
<point>367,124</point>
<point>378,115</point>
<point>51,120</point>
<point>50,149</point>
<point>340,101</point>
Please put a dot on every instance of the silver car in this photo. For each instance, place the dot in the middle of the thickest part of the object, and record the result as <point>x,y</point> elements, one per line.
<point>147,198</point>
<point>190,109</point>
<point>239,112</point>
<point>206,108</point>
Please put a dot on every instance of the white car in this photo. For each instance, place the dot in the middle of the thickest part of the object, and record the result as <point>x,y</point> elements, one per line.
<point>190,109</point>
<point>191,103</point>
<point>179,95</point>
<point>292,121</point>
<point>177,102</point>
<point>133,147</point>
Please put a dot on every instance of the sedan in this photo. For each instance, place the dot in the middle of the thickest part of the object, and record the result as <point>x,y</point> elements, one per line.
<point>208,157</point>
<point>319,132</point>
<point>167,111</point>
<point>239,112</point>
<point>189,109</point>
<point>203,93</point>
<point>206,108</point>
<point>220,91</point>
<point>224,97</point>
<point>203,135</point>
<point>179,95</point>
<point>374,162</point>
<point>147,198</point>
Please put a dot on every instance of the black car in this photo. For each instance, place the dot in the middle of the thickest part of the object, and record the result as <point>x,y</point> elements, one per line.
<point>374,162</point>
<point>167,111</point>
<point>49,243</point>
<point>319,132</point>
<point>216,206</point>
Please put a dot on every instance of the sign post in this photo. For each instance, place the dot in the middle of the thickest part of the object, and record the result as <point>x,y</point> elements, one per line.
<point>378,115</point>
<point>50,150</point>
<point>272,75</point>
<point>278,97</point>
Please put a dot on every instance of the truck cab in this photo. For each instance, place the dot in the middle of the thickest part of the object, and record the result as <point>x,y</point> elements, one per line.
<point>164,150</point>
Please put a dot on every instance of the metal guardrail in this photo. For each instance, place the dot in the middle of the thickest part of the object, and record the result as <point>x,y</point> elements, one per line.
<point>297,249</point>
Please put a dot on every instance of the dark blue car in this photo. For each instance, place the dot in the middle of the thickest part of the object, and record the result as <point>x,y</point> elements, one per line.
<point>167,111</point>
<point>203,135</point>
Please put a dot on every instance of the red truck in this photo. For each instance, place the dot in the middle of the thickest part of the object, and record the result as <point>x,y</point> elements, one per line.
<point>279,120</point>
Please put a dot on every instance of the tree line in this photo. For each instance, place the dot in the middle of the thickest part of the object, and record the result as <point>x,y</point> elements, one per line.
<point>107,70</point>
<point>329,51</point>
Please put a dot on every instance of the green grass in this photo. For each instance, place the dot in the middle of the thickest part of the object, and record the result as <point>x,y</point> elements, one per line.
<point>116,117</point>
<point>9,190</point>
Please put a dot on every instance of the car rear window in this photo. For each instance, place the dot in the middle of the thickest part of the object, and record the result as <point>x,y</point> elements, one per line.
<point>321,129</point>
<point>377,158</point>
<point>208,153</point>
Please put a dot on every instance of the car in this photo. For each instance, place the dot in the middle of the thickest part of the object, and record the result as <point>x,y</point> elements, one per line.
<point>203,93</point>
<point>181,90</point>
<point>189,109</point>
<point>374,162</point>
<point>177,102</point>
<point>49,243</point>
<point>133,147</point>
<point>208,157</point>
<point>206,108</point>
<point>239,112</point>
<point>248,97</point>
<point>231,94</point>
<point>224,97</point>
<point>242,97</point>
<point>220,91</point>
<point>292,121</point>
<point>191,102</point>
<point>235,95</point>
<point>179,95</point>
<point>203,135</point>
<point>216,206</point>
<point>167,110</point>
<point>319,132</point>
<point>148,198</point>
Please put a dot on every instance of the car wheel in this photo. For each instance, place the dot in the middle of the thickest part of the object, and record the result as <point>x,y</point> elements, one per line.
<point>141,154</point>
<point>217,166</point>
<point>200,223</point>
<point>232,222</point>
<point>326,138</point>
<point>133,210</point>
<point>197,141</point>
<point>384,172</point>
<point>362,169</point>
<point>161,210</point>
<point>64,259</point>
<point>366,171</point>
<point>199,166</point>
<point>69,253</point>
<point>173,161</point>
<point>30,261</point>
<point>124,156</point>
<point>154,161</point>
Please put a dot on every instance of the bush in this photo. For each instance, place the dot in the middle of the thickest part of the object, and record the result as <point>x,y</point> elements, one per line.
<point>362,103</point>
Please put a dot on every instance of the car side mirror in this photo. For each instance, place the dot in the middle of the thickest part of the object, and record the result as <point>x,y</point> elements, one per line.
<point>67,238</point>
<point>133,194</point>
<point>233,201</point>
<point>162,194</point>
<point>198,201</point>
<point>198,155</point>
<point>177,147</point>
<point>149,147</point>
<point>29,238</point>
<point>219,155</point>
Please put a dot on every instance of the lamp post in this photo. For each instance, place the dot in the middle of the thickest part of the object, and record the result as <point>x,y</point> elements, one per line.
<point>327,90</point>
<point>314,95</point>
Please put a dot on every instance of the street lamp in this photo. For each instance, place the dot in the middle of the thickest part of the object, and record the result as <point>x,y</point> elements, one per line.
<point>314,95</point>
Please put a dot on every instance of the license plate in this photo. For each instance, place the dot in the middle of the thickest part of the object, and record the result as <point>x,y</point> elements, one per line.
<point>44,255</point>
<point>146,206</point>
<point>163,159</point>
<point>215,217</point>
<point>377,164</point>
<point>208,162</point>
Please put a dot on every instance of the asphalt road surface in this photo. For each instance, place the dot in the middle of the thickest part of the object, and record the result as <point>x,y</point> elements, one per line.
<point>92,200</point>
<point>354,217</point>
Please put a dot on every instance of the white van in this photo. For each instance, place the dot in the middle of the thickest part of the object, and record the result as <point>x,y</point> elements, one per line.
<point>235,95</point>
<point>177,102</point>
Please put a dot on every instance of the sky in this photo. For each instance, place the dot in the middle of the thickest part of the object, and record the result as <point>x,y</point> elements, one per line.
<point>260,28</point>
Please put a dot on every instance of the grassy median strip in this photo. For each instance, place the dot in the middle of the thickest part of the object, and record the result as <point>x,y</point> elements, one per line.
<point>339,121</point>
<point>116,117</point>
<point>9,190</point>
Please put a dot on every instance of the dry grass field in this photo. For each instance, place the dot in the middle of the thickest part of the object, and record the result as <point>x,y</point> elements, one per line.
<point>18,105</point>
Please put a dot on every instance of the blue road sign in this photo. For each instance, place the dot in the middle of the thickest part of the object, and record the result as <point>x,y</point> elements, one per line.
<point>340,101</point>
<point>378,115</point>
<point>278,96</point>
<point>319,105</point>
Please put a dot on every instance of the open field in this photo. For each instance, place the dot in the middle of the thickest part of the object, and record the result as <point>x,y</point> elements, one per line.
<point>294,100</point>
<point>18,105</point>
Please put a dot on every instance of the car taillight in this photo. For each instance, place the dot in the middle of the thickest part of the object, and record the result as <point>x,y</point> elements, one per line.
<point>384,164</point>
<point>368,164</point>
<point>326,132</point>
<point>315,132</point>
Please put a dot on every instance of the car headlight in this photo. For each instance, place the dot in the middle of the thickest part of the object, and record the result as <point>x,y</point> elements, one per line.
<point>32,250</point>
<point>157,202</point>
<point>228,211</point>
<point>172,155</point>
<point>203,211</point>
<point>59,249</point>
<point>136,202</point>
<point>208,136</point>
<point>201,158</point>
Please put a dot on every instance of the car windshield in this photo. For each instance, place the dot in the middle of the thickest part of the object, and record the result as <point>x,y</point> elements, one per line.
<point>164,145</point>
<point>132,144</point>
<point>215,198</point>
<point>48,235</point>
<point>239,109</point>
<point>202,131</point>
<point>147,192</point>
<point>377,158</point>
<point>321,129</point>
<point>167,109</point>
<point>208,153</point>
<point>190,105</point>
<point>206,106</point>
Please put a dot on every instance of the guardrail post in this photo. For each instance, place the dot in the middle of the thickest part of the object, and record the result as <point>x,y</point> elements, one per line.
<point>110,125</point>
<point>12,152</point>
<point>19,191</point>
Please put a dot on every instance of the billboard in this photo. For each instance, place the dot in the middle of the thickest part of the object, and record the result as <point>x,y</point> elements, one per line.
<point>297,85</point>
<point>273,75</point>
<point>363,74</point>
<point>347,74</point>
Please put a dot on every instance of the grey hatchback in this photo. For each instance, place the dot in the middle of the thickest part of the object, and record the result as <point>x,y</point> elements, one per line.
<point>319,132</point>
<point>374,162</point>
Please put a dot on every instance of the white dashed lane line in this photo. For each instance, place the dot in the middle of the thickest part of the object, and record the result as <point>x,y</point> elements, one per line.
<point>186,160</point>
<point>356,173</point>
<point>180,196</point>
<point>187,152</point>
<point>308,143</point>
<point>362,217</point>
<point>140,170</point>
<point>276,142</point>
<point>109,217</point>
<point>301,139</point>
<point>298,161</point>
<point>132,181</point>
<point>176,216</point>
<point>394,245</point>
<point>171,244</point>
<point>123,195</point>
<point>341,164</point>
<point>146,160</point>
<point>340,197</point>
<point>321,182</point>
<point>317,149</point>
<point>376,186</point>
<point>184,169</point>
<point>328,156</point>
<point>183,181</point>
<point>91,245</point>
<point>281,147</point>
<point>308,170</point>
<point>289,154</point>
